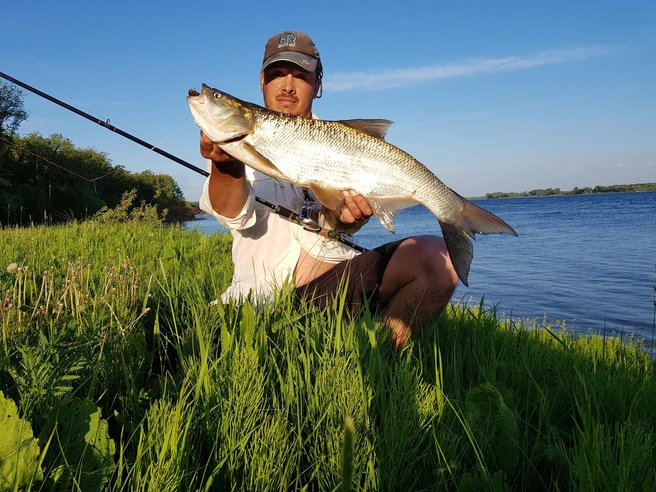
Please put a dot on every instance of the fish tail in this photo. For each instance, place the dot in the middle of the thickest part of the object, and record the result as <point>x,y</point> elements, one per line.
<point>473,220</point>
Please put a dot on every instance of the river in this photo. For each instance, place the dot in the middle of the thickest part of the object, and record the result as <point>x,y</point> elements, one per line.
<point>585,260</point>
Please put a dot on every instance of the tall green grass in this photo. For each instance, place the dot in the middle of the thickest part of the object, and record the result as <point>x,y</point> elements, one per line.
<point>130,379</point>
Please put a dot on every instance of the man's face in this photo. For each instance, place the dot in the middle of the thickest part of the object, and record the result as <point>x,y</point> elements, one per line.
<point>289,89</point>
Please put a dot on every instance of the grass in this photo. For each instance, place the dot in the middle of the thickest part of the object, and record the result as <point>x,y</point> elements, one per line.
<point>130,380</point>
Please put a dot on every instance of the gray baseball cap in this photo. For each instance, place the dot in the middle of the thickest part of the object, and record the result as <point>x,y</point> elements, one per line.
<point>292,46</point>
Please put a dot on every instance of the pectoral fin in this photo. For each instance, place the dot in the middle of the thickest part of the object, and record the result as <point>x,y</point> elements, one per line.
<point>245,153</point>
<point>331,198</point>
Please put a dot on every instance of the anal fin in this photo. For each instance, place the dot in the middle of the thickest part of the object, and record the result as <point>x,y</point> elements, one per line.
<point>386,208</point>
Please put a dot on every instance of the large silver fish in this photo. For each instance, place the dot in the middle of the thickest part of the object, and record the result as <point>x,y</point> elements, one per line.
<point>331,156</point>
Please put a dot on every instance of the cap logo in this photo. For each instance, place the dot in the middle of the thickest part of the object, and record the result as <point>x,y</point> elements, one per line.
<point>287,39</point>
<point>305,62</point>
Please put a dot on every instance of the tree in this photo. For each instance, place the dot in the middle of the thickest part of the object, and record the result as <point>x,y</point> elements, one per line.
<point>159,188</point>
<point>12,113</point>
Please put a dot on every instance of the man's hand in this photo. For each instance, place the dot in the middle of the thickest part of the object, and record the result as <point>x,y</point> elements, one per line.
<point>228,188</point>
<point>352,215</point>
<point>354,209</point>
<point>210,150</point>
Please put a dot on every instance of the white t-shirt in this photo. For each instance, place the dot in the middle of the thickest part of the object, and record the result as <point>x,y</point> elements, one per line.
<point>266,247</point>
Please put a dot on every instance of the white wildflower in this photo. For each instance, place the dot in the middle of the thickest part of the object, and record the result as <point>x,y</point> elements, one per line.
<point>12,268</point>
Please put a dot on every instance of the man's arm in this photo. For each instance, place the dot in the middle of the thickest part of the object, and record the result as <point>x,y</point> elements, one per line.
<point>228,187</point>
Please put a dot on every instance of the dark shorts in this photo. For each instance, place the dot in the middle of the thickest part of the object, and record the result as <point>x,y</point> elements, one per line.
<point>362,276</point>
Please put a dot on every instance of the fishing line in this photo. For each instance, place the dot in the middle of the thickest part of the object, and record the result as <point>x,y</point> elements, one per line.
<point>150,150</point>
<point>88,180</point>
<point>48,161</point>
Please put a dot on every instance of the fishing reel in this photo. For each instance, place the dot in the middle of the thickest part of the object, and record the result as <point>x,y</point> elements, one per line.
<point>309,214</point>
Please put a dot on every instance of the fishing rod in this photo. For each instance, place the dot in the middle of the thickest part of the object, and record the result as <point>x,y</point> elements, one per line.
<point>307,222</point>
<point>105,124</point>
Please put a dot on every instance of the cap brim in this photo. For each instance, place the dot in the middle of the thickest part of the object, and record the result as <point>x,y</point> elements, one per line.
<point>306,62</point>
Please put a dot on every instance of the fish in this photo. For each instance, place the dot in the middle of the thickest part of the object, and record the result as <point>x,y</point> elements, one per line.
<point>329,157</point>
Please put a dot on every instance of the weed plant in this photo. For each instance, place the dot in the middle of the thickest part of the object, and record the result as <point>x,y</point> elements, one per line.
<point>118,373</point>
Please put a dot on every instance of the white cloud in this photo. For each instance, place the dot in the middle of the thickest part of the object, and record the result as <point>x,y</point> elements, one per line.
<point>651,164</point>
<point>400,77</point>
<point>618,165</point>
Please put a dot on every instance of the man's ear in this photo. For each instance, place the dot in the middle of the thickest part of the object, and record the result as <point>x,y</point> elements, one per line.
<point>262,80</point>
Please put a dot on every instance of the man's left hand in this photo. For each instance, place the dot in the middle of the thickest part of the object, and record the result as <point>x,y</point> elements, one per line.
<point>351,215</point>
<point>354,209</point>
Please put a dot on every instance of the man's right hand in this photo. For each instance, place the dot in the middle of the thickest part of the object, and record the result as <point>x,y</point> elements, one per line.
<point>228,188</point>
<point>210,150</point>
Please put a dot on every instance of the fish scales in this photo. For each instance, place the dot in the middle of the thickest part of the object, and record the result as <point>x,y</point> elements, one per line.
<point>310,152</point>
<point>332,156</point>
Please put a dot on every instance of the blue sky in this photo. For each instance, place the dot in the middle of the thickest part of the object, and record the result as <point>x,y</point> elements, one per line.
<point>491,96</point>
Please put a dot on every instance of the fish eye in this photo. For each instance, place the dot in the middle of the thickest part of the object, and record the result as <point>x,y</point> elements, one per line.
<point>217,95</point>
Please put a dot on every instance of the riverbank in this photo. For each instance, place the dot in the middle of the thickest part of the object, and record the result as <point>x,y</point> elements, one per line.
<point>631,188</point>
<point>109,327</point>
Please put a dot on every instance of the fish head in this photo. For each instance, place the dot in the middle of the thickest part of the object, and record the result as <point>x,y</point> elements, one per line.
<point>220,116</point>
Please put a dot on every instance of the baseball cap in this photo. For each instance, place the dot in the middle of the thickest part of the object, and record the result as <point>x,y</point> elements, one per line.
<point>292,46</point>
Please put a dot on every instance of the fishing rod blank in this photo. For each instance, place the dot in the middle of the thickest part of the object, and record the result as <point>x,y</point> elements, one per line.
<point>106,125</point>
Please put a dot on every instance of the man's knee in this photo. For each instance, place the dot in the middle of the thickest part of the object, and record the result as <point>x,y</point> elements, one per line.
<point>422,259</point>
<point>430,257</point>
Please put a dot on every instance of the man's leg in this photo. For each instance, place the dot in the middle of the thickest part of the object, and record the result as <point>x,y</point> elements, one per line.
<point>417,285</point>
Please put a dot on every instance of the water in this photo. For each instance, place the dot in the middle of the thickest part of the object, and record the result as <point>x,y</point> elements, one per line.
<point>587,260</point>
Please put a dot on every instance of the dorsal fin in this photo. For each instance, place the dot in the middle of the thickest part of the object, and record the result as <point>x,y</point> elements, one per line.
<point>375,128</point>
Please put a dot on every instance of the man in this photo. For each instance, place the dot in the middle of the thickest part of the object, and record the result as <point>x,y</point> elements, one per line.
<point>410,280</point>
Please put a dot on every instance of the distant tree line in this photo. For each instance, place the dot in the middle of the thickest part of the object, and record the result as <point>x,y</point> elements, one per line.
<point>575,191</point>
<point>50,179</point>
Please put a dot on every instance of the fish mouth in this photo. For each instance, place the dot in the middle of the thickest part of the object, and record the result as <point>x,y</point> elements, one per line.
<point>204,89</point>
<point>195,98</point>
